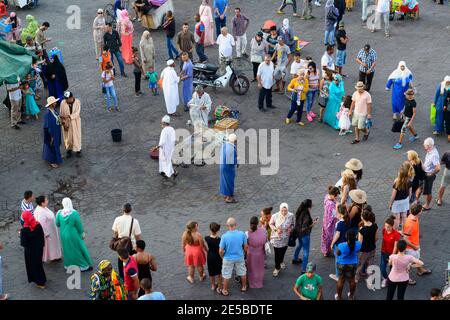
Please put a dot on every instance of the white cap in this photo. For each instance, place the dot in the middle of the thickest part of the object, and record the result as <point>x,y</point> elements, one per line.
<point>170,62</point>
<point>166,119</point>
<point>232,138</point>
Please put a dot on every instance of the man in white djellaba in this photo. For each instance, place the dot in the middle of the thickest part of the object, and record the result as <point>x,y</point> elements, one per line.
<point>199,108</point>
<point>170,81</point>
<point>166,148</point>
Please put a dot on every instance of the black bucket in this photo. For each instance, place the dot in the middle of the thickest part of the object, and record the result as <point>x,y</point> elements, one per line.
<point>116,135</point>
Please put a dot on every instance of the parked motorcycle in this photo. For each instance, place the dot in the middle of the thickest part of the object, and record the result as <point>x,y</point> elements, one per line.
<point>206,76</point>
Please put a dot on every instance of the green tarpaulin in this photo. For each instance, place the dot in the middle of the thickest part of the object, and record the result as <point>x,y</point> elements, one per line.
<point>15,61</point>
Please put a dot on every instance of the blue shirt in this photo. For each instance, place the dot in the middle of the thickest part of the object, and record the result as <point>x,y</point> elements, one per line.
<point>153,296</point>
<point>220,5</point>
<point>347,257</point>
<point>367,58</point>
<point>232,242</point>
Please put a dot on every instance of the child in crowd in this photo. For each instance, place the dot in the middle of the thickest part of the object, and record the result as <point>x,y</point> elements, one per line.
<point>152,75</point>
<point>343,116</point>
<point>323,93</point>
<point>214,259</point>
<point>31,108</point>
<point>105,58</point>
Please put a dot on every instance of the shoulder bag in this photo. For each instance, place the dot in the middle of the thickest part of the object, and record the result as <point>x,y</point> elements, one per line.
<point>125,242</point>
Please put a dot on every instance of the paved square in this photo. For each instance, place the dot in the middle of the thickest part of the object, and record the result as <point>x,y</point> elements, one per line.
<point>311,157</point>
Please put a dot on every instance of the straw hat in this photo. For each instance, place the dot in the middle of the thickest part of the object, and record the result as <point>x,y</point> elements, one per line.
<point>354,164</point>
<point>358,196</point>
<point>360,85</point>
<point>51,100</point>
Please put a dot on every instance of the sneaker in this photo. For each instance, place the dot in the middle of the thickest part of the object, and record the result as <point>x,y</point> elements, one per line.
<point>275,272</point>
<point>309,118</point>
<point>436,133</point>
<point>397,146</point>
<point>384,283</point>
<point>280,12</point>
<point>317,4</point>
<point>287,121</point>
<point>283,265</point>
<point>336,297</point>
<point>334,277</point>
<point>313,115</point>
<point>413,138</point>
<point>387,35</point>
<point>301,124</point>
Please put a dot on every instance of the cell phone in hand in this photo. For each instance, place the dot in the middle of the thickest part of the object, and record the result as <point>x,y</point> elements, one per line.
<point>316,219</point>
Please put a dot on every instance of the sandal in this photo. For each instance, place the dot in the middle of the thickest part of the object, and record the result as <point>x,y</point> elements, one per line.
<point>355,141</point>
<point>427,271</point>
<point>225,293</point>
<point>244,289</point>
<point>366,137</point>
<point>426,209</point>
<point>412,282</point>
<point>439,203</point>
<point>219,290</point>
<point>203,277</point>
<point>190,280</point>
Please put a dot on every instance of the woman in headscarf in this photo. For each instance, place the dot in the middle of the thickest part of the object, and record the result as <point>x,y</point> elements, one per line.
<point>147,49</point>
<point>206,17</point>
<point>439,98</point>
<point>31,28</point>
<point>331,15</point>
<point>32,239</point>
<point>258,48</point>
<point>105,284</point>
<point>336,93</point>
<point>46,217</point>
<point>56,76</point>
<point>16,27</point>
<point>287,34</point>
<point>99,26</point>
<point>125,29</point>
<point>282,223</point>
<point>72,237</point>
<point>400,81</point>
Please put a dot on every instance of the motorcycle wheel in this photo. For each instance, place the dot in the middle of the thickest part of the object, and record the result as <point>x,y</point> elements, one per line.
<point>240,85</point>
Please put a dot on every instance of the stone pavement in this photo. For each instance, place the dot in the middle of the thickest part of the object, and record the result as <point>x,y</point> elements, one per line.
<point>311,157</point>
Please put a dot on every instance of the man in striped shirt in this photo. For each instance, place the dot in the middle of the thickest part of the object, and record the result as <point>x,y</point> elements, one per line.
<point>26,204</point>
<point>367,60</point>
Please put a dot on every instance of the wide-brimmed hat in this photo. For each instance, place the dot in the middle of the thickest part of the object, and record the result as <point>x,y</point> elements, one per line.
<point>358,196</point>
<point>354,164</point>
<point>409,92</point>
<point>360,85</point>
<point>51,100</point>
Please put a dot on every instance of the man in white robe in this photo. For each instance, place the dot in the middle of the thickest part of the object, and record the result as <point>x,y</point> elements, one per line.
<point>199,108</point>
<point>166,147</point>
<point>170,81</point>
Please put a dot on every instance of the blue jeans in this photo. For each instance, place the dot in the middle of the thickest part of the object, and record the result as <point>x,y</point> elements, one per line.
<point>200,48</point>
<point>220,24</point>
<point>329,37</point>
<point>111,92</point>
<point>294,107</point>
<point>118,55</point>
<point>383,264</point>
<point>171,48</point>
<point>303,242</point>
<point>310,97</point>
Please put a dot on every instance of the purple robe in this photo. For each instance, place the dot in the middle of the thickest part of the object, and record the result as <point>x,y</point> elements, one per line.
<point>255,257</point>
<point>329,224</point>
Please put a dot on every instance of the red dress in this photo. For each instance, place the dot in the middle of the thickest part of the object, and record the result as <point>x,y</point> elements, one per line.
<point>194,255</point>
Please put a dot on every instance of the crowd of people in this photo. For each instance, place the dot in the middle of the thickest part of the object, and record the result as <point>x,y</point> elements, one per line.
<point>350,233</point>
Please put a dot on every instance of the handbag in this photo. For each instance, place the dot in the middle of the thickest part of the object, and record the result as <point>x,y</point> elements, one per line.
<point>268,248</point>
<point>293,238</point>
<point>125,242</point>
<point>398,124</point>
<point>433,114</point>
<point>256,58</point>
<point>103,88</point>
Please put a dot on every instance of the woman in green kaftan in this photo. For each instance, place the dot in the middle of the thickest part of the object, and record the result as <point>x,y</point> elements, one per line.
<point>31,28</point>
<point>72,234</point>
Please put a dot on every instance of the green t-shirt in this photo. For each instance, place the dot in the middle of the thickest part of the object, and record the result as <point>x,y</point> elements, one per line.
<point>153,76</point>
<point>309,287</point>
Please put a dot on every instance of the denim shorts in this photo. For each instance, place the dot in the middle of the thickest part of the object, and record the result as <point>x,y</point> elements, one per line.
<point>341,58</point>
<point>229,265</point>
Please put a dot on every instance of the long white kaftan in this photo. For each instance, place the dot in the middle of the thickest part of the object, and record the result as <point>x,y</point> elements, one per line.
<point>166,148</point>
<point>52,248</point>
<point>170,82</point>
<point>199,117</point>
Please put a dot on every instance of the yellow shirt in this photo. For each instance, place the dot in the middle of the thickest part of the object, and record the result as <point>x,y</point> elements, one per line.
<point>295,83</point>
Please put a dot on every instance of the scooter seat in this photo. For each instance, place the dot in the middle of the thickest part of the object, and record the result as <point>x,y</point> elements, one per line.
<point>206,66</point>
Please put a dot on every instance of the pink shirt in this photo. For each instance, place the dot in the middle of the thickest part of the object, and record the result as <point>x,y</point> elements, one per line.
<point>361,102</point>
<point>400,263</point>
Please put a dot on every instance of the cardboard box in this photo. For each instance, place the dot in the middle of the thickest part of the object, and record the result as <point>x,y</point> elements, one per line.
<point>227,124</point>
